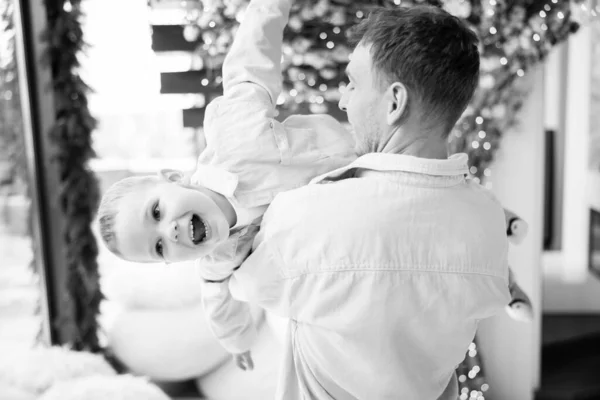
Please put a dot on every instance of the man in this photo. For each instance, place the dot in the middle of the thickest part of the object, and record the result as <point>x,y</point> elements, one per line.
<point>384,268</point>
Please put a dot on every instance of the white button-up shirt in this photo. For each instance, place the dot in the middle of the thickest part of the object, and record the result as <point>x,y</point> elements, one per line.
<point>250,157</point>
<point>383,275</point>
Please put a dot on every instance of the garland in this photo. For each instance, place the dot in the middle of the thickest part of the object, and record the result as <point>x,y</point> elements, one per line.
<point>71,136</point>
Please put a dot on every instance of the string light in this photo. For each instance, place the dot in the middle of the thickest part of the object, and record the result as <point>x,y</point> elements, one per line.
<point>520,73</point>
<point>503,61</point>
<point>487,145</point>
<point>479,120</point>
<point>330,45</point>
<point>482,134</point>
<point>323,35</point>
<point>204,82</point>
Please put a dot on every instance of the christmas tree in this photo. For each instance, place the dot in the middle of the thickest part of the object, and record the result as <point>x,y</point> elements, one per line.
<point>471,379</point>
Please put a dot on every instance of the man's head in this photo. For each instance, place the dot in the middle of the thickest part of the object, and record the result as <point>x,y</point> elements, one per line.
<point>415,68</point>
<point>161,219</point>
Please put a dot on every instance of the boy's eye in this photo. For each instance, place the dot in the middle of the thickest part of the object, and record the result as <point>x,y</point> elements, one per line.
<point>156,212</point>
<point>159,247</point>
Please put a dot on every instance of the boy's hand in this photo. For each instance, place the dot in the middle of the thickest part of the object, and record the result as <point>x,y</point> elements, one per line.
<point>244,361</point>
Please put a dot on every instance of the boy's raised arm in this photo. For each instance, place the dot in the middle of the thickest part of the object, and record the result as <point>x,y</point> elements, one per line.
<point>252,68</point>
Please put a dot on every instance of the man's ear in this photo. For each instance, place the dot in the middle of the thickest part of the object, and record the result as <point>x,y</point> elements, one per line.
<point>397,100</point>
<point>171,175</point>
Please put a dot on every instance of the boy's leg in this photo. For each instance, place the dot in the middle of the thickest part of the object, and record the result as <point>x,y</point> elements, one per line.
<point>520,307</point>
<point>516,227</point>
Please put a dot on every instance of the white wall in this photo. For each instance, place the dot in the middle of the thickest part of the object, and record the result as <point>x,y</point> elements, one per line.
<point>511,350</point>
<point>568,286</point>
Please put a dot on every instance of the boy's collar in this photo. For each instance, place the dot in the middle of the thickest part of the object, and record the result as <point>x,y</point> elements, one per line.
<point>216,179</point>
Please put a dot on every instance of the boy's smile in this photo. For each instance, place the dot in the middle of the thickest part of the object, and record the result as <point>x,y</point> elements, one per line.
<point>168,222</point>
<point>199,231</point>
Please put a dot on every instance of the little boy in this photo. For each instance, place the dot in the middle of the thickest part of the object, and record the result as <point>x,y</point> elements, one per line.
<point>214,214</point>
<point>249,158</point>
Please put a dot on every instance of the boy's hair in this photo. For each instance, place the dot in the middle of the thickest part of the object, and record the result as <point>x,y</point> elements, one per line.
<point>109,207</point>
<point>431,52</point>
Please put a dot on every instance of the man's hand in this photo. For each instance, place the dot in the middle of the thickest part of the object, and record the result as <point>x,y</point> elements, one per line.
<point>244,361</point>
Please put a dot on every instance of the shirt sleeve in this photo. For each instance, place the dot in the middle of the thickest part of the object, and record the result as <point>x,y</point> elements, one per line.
<point>230,320</point>
<point>259,281</point>
<point>252,67</point>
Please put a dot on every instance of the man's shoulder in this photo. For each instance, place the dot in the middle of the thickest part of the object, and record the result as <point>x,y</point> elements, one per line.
<point>356,221</point>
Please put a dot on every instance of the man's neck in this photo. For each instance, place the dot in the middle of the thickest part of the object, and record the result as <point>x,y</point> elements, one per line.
<point>414,142</point>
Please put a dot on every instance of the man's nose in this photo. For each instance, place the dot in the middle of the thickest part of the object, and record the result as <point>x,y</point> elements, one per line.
<point>342,102</point>
<point>172,231</point>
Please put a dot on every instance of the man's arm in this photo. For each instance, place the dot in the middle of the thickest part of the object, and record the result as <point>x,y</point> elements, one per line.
<point>230,320</point>
<point>252,68</point>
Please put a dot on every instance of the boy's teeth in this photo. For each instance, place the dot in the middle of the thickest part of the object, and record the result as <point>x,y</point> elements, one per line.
<point>198,230</point>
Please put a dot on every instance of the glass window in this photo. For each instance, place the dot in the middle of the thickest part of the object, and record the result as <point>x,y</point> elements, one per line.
<point>21,314</point>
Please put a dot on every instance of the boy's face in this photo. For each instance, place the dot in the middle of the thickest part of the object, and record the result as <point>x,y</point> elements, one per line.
<point>168,222</point>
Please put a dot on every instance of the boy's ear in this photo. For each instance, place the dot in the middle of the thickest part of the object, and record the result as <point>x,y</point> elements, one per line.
<point>171,175</point>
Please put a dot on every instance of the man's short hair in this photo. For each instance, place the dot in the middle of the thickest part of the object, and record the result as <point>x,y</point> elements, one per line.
<point>431,52</point>
<point>109,207</point>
